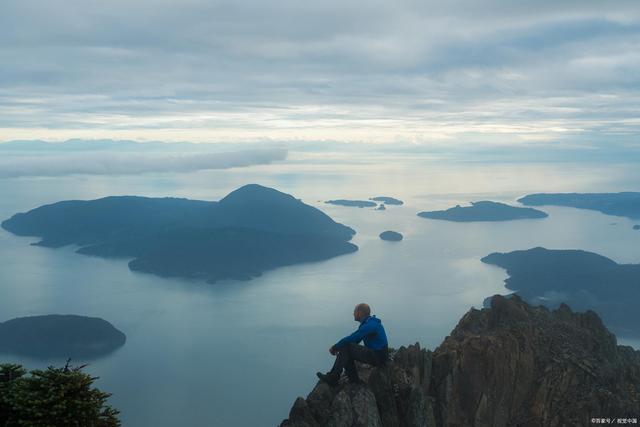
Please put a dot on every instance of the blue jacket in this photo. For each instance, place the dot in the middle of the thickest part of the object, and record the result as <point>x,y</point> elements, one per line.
<point>371,331</point>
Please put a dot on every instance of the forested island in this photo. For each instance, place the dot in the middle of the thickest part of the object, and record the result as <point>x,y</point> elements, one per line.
<point>387,200</point>
<point>392,236</point>
<point>251,230</point>
<point>484,211</point>
<point>59,336</point>
<point>352,203</point>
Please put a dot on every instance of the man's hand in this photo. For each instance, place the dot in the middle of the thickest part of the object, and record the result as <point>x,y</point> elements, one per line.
<point>333,350</point>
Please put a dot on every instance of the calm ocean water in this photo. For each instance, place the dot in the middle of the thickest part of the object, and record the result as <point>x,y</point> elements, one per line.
<point>238,353</point>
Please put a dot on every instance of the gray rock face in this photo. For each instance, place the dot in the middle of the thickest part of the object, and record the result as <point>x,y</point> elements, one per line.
<point>354,406</point>
<point>508,365</point>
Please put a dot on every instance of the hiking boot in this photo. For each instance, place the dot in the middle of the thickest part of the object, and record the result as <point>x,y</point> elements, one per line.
<point>328,378</point>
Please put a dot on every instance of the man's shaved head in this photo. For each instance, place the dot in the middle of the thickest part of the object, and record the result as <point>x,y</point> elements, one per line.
<point>363,309</point>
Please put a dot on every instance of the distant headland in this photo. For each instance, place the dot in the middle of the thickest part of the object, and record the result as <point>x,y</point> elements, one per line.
<point>585,280</point>
<point>625,204</point>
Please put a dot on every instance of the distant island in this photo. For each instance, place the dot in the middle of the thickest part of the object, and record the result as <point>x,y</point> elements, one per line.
<point>387,200</point>
<point>626,204</point>
<point>636,227</point>
<point>484,211</point>
<point>56,335</point>
<point>371,203</point>
<point>392,236</point>
<point>352,203</point>
<point>584,280</point>
<point>250,231</point>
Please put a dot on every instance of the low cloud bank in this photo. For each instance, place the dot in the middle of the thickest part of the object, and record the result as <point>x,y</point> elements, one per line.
<point>109,163</point>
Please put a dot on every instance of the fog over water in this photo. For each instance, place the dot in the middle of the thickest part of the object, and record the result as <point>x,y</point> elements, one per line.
<point>238,353</point>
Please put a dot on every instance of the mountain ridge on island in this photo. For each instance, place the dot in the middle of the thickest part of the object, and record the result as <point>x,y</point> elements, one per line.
<point>485,211</point>
<point>506,365</point>
<point>251,230</point>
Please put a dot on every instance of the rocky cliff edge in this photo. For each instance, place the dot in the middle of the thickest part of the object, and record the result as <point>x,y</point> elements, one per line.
<point>508,365</point>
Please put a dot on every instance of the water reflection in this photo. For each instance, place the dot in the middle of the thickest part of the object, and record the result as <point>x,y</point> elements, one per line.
<point>198,354</point>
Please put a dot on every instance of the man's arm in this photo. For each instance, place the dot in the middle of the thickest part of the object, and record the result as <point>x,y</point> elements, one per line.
<point>364,330</point>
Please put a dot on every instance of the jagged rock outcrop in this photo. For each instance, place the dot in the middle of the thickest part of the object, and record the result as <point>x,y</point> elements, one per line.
<point>508,365</point>
<point>394,395</point>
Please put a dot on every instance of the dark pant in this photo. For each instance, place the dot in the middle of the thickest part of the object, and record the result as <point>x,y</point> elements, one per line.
<point>352,352</point>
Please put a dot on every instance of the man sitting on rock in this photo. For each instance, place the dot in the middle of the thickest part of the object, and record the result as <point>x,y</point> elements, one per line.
<point>375,351</point>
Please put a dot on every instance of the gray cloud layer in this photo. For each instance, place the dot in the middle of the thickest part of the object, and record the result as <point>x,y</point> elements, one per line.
<point>495,70</point>
<point>61,162</point>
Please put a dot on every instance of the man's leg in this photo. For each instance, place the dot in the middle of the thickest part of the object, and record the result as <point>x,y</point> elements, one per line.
<point>361,354</point>
<point>351,371</point>
<point>343,359</point>
<point>346,358</point>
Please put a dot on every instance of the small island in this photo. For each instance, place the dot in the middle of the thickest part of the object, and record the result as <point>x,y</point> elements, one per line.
<point>252,230</point>
<point>625,204</point>
<point>391,236</point>
<point>59,336</point>
<point>352,203</point>
<point>387,200</point>
<point>484,211</point>
<point>584,280</point>
<point>381,207</point>
<point>636,227</point>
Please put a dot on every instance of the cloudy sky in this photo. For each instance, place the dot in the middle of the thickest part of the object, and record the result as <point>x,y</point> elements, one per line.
<point>424,72</point>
